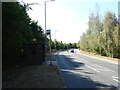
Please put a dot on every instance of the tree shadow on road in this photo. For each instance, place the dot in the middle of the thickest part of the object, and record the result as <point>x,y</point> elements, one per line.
<point>73,79</point>
<point>69,63</point>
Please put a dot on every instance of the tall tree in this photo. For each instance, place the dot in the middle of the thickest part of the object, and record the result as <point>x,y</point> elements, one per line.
<point>18,30</point>
<point>102,36</point>
<point>109,25</point>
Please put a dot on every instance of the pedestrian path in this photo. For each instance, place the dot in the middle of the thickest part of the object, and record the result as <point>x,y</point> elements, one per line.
<point>54,62</point>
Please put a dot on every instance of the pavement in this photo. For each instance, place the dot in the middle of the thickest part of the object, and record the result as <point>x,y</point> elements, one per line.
<point>54,60</point>
<point>33,76</point>
<point>82,71</point>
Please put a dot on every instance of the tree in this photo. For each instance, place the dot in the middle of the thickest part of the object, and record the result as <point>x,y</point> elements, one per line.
<point>37,32</point>
<point>18,30</point>
<point>109,25</point>
<point>102,36</point>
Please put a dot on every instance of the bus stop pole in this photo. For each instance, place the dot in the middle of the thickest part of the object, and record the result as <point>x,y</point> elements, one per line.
<point>50,51</point>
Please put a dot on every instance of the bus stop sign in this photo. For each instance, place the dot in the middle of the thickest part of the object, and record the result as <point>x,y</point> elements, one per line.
<point>48,32</point>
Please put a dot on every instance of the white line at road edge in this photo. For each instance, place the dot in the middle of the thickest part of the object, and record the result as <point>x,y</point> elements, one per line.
<point>92,68</point>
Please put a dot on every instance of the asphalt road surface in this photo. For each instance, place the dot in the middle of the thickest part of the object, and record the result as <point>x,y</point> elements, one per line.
<point>81,71</point>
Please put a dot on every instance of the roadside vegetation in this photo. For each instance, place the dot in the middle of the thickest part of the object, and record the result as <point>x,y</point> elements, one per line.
<point>18,30</point>
<point>59,45</point>
<point>103,35</point>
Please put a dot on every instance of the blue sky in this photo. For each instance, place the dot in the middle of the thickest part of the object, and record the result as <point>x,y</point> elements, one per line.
<point>69,18</point>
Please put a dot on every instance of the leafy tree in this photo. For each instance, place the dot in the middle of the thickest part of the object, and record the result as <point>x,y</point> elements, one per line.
<point>102,36</point>
<point>37,32</point>
<point>109,25</point>
<point>18,30</point>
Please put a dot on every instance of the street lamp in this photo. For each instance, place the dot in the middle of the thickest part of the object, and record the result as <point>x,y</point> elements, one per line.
<point>49,32</point>
<point>45,12</point>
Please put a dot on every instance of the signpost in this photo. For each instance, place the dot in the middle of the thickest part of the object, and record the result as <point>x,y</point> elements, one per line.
<point>48,32</point>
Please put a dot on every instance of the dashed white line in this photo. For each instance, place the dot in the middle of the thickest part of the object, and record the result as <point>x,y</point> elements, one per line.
<point>82,60</point>
<point>92,68</point>
<point>116,79</point>
<point>104,69</point>
<point>97,70</point>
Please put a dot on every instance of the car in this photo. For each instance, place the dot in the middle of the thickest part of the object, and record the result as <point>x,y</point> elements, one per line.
<point>72,51</point>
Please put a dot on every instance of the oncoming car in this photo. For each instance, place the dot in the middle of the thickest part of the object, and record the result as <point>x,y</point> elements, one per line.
<point>72,51</point>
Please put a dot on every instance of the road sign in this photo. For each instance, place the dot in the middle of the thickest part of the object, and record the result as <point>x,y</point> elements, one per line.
<point>48,32</point>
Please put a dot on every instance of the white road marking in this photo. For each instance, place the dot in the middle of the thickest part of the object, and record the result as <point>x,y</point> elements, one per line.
<point>92,68</point>
<point>106,60</point>
<point>78,59</point>
<point>101,68</point>
<point>116,79</point>
<point>82,60</point>
<point>104,69</point>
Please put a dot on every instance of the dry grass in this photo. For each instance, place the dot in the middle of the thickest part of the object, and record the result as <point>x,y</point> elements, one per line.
<point>97,55</point>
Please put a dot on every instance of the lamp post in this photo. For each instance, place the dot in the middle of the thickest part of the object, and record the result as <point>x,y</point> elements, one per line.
<point>45,13</point>
<point>49,33</point>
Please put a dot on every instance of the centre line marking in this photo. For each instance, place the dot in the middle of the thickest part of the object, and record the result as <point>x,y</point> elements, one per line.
<point>92,68</point>
<point>116,79</point>
<point>105,68</point>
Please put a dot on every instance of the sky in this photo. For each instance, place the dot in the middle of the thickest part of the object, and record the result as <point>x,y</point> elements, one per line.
<point>67,19</point>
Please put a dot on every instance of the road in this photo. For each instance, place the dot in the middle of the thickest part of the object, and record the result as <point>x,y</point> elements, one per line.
<point>81,71</point>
